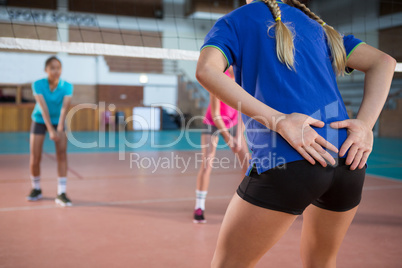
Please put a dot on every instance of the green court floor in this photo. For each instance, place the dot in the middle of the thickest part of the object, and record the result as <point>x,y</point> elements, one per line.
<point>384,161</point>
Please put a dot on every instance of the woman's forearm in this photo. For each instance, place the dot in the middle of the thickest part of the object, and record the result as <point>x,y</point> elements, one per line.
<point>217,117</point>
<point>45,113</point>
<point>220,124</point>
<point>62,118</point>
<point>228,91</point>
<point>63,112</point>
<point>46,118</point>
<point>376,88</point>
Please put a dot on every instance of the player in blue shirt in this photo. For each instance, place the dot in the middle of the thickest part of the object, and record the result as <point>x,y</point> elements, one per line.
<point>307,155</point>
<point>53,98</point>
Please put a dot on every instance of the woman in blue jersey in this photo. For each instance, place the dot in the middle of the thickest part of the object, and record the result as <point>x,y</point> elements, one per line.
<point>307,155</point>
<point>53,98</point>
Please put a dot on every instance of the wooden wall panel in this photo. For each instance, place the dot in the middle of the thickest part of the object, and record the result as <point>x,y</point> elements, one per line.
<point>136,65</point>
<point>390,122</point>
<point>84,94</point>
<point>124,37</point>
<point>128,96</point>
<point>45,4</point>
<point>391,42</point>
<point>390,7</point>
<point>28,31</point>
<point>88,119</point>
<point>15,117</point>
<point>84,120</point>
<point>149,8</point>
<point>216,6</point>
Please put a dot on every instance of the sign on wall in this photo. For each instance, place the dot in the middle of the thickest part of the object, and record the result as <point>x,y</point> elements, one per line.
<point>46,17</point>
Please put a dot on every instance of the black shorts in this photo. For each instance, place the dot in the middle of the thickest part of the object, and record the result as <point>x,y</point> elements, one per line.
<point>293,186</point>
<point>213,130</point>
<point>39,129</point>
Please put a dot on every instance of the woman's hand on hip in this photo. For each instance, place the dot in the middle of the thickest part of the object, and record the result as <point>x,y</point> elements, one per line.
<point>359,142</point>
<point>296,130</point>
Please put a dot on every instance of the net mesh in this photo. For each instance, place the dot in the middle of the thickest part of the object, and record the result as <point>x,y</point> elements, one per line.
<point>167,30</point>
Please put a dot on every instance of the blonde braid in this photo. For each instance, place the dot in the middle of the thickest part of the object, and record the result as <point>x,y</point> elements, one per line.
<point>335,41</point>
<point>283,36</point>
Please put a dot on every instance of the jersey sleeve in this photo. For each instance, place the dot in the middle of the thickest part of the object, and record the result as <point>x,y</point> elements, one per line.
<point>69,90</point>
<point>223,36</point>
<point>36,88</point>
<point>351,43</point>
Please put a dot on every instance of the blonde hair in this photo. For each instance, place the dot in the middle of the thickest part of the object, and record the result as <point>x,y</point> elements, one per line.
<point>284,37</point>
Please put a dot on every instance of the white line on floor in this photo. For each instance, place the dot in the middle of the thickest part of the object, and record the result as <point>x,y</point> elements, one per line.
<point>99,204</point>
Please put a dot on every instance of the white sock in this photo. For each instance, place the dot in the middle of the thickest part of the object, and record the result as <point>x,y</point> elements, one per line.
<point>61,187</point>
<point>35,181</point>
<point>200,199</point>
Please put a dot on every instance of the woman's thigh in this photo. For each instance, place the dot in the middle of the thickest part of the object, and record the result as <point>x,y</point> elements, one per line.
<point>247,233</point>
<point>36,144</point>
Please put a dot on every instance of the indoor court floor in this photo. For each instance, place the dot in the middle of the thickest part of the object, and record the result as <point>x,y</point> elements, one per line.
<point>142,217</point>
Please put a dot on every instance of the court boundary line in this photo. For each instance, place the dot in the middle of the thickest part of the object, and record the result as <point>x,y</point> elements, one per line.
<point>163,200</point>
<point>113,203</point>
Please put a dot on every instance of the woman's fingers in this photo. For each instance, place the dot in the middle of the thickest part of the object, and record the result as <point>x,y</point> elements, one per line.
<point>364,159</point>
<point>357,159</point>
<point>324,143</point>
<point>327,156</point>
<point>351,154</point>
<point>315,155</point>
<point>345,146</point>
<point>340,124</point>
<point>305,155</point>
<point>315,122</point>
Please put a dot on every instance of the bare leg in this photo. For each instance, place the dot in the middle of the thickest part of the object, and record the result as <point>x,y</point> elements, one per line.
<point>243,155</point>
<point>61,154</point>
<point>35,144</point>
<point>247,233</point>
<point>208,153</point>
<point>322,235</point>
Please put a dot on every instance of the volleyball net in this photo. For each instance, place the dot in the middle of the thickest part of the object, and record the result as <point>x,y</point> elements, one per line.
<point>163,29</point>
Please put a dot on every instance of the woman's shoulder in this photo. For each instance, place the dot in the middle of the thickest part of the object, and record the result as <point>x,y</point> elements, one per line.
<point>65,84</point>
<point>40,83</point>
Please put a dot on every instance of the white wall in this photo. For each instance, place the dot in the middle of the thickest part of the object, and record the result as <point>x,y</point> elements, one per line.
<point>20,68</point>
<point>160,95</point>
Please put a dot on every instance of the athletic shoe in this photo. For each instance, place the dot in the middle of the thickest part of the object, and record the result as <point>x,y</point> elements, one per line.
<point>35,195</point>
<point>199,216</point>
<point>63,200</point>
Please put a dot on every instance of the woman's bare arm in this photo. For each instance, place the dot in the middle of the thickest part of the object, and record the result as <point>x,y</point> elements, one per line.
<point>63,112</point>
<point>379,69</point>
<point>294,128</point>
<point>46,117</point>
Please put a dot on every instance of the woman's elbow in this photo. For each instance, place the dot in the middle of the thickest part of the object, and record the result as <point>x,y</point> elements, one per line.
<point>200,73</point>
<point>388,61</point>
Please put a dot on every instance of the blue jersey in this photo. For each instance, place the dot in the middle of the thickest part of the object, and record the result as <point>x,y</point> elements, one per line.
<point>53,99</point>
<point>310,89</point>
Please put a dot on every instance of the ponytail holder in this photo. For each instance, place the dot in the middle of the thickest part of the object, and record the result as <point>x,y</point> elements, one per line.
<point>278,18</point>
<point>323,24</point>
